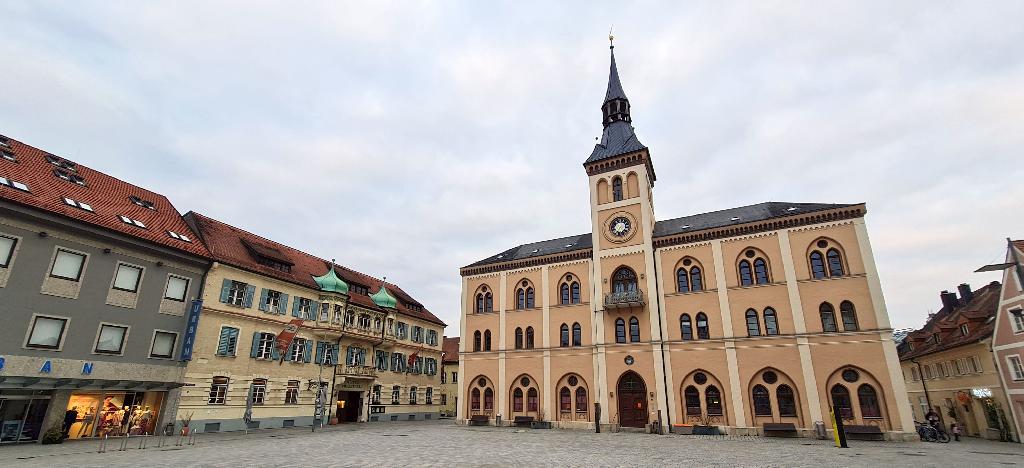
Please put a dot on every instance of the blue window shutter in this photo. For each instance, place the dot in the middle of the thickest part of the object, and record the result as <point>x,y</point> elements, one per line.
<point>255,344</point>
<point>282,304</point>
<point>225,290</point>
<point>362,358</point>
<point>274,353</point>
<point>319,352</point>
<point>263,300</point>
<point>334,353</point>
<point>295,307</point>
<point>309,351</point>
<point>224,342</point>
<point>348,354</point>
<point>250,290</point>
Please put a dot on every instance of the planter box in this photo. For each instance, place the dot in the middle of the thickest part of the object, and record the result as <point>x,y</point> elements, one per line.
<point>540,425</point>
<point>706,430</point>
<point>682,430</point>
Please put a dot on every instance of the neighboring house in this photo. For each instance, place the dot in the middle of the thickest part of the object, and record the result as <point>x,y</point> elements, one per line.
<point>948,363</point>
<point>450,376</point>
<point>745,318</point>
<point>1008,343</point>
<point>96,278</point>
<point>362,330</point>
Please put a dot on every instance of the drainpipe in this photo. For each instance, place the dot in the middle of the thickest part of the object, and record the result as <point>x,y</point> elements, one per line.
<point>664,367</point>
<point>920,371</point>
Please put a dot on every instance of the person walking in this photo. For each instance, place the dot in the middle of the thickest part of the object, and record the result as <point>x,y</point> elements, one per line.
<point>70,417</point>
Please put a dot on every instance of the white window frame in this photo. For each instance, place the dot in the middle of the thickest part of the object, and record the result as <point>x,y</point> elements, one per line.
<point>1017,320</point>
<point>138,279</point>
<point>297,350</point>
<point>77,204</point>
<point>152,344</point>
<point>1016,367</point>
<point>124,339</point>
<point>32,326</point>
<point>264,347</point>
<point>234,352</point>
<point>133,222</point>
<point>976,365</point>
<point>167,286</point>
<point>221,397</point>
<point>236,293</point>
<point>259,391</point>
<point>291,393</point>
<point>81,267</point>
<point>273,300</point>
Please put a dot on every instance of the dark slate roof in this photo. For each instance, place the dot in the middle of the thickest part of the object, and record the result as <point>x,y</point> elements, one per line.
<point>740,215</point>
<point>694,223</point>
<point>614,85</point>
<point>538,249</point>
<point>618,138</point>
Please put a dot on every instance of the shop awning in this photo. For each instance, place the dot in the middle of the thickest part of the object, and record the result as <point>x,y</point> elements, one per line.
<point>46,383</point>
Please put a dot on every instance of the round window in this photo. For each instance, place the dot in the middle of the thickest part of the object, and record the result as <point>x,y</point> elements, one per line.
<point>573,380</point>
<point>687,262</point>
<point>568,277</point>
<point>525,283</point>
<point>629,360</point>
<point>525,381</point>
<point>822,244</point>
<point>851,375</point>
<point>700,378</point>
<point>749,253</point>
<point>482,382</point>
<point>770,377</point>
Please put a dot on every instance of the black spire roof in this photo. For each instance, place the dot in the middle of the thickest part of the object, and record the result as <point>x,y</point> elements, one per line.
<point>618,137</point>
<point>614,85</point>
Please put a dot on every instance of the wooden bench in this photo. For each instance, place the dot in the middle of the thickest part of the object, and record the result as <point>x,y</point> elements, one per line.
<point>522,421</point>
<point>780,430</point>
<point>863,432</point>
<point>479,420</point>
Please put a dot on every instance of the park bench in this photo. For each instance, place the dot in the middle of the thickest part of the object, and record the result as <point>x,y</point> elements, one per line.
<point>479,420</point>
<point>780,430</point>
<point>863,432</point>
<point>522,421</point>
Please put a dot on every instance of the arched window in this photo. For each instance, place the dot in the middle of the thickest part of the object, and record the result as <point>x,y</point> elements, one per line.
<point>577,335</point>
<point>565,293</point>
<point>817,265</point>
<point>620,330</point>
<point>474,403</point>
<point>828,317</point>
<point>487,340</point>
<point>634,330</point>
<point>746,276</point>
<point>616,188</point>
<point>575,292</point>
<point>702,327</point>
<point>753,326</point>
<point>835,263</point>
<point>696,280</point>
<point>771,323</point>
<point>686,327</point>
<point>762,402</point>
<point>848,315</point>
<point>623,280</point>
<point>713,397</point>
<point>519,338</point>
<point>761,271</point>
<point>692,397</point>
<point>564,339</point>
<point>841,401</point>
<point>682,280</point>
<point>488,302</point>
<point>479,303</point>
<point>488,399</point>
<point>787,402</point>
<point>565,400</point>
<point>869,407</point>
<point>531,400</point>
<point>517,400</point>
<point>476,340</point>
<point>581,400</point>
<point>529,337</point>
<point>520,298</point>
<point>529,298</point>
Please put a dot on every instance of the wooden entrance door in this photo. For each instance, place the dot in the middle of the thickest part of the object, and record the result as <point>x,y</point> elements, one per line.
<point>632,400</point>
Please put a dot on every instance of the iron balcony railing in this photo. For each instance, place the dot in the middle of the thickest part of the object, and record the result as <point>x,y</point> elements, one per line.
<point>624,299</point>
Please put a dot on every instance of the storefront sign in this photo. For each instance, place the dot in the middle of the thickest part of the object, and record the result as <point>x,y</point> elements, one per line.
<point>376,409</point>
<point>47,367</point>
<point>87,368</point>
<point>2,363</point>
<point>981,392</point>
<point>190,330</point>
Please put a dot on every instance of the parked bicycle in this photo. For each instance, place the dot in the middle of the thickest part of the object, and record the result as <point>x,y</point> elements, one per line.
<point>931,434</point>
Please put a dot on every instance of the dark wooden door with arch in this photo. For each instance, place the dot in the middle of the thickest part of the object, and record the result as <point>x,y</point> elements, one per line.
<point>632,395</point>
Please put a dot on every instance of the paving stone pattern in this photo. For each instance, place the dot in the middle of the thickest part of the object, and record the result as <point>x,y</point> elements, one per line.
<point>443,443</point>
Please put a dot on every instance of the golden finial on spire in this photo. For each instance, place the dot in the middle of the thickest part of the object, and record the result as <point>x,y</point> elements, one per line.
<point>611,38</point>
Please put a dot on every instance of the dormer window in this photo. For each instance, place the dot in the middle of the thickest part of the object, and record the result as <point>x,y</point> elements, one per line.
<point>964,329</point>
<point>141,202</point>
<point>359,289</point>
<point>935,338</point>
<point>133,222</point>
<point>5,142</point>
<point>78,204</point>
<point>268,256</point>
<point>68,176</point>
<point>61,163</point>
<point>8,156</point>
<point>180,237</point>
<point>13,184</point>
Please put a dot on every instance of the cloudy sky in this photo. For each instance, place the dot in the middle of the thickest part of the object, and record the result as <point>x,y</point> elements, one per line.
<point>408,139</point>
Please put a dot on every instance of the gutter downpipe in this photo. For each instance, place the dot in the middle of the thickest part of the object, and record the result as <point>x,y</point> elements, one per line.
<point>664,367</point>
<point>924,384</point>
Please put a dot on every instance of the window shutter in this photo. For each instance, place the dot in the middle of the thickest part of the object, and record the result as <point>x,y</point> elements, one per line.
<point>274,353</point>
<point>362,357</point>
<point>225,339</point>
<point>288,351</point>
<point>348,355</point>
<point>295,307</point>
<point>282,304</point>
<point>263,300</point>
<point>225,290</point>
<point>319,352</point>
<point>334,353</point>
<point>255,344</point>
<point>309,351</point>
<point>232,342</point>
<point>250,290</point>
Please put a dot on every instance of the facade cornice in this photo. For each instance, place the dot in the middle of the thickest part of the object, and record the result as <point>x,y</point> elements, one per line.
<point>581,254</point>
<point>775,224</point>
<point>623,161</point>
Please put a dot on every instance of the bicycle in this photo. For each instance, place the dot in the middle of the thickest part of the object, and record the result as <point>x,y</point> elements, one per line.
<point>931,434</point>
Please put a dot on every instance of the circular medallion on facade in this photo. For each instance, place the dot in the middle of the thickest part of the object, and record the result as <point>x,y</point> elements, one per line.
<point>573,380</point>
<point>770,377</point>
<point>851,375</point>
<point>525,284</point>
<point>629,360</point>
<point>619,227</point>
<point>525,381</point>
<point>749,253</point>
<point>700,378</point>
<point>687,262</point>
<point>822,244</point>
<point>568,277</point>
<point>482,382</point>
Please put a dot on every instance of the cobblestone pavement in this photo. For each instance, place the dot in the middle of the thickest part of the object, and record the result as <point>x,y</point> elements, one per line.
<point>443,443</point>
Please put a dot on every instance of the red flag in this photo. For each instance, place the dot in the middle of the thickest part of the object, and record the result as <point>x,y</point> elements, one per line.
<point>412,361</point>
<point>284,339</point>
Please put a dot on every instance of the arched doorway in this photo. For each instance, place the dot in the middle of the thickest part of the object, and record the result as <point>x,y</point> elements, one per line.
<point>632,395</point>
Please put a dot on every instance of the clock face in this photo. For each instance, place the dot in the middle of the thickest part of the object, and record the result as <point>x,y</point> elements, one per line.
<point>619,226</point>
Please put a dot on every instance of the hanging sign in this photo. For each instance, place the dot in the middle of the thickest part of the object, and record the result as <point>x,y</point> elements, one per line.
<point>284,339</point>
<point>191,327</point>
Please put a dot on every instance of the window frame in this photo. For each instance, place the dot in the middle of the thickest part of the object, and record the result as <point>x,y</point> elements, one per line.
<point>259,391</point>
<point>167,285</point>
<point>634,330</point>
<point>291,393</point>
<point>685,327</point>
<point>772,330</point>
<point>620,330</point>
<point>233,352</point>
<point>1015,364</point>
<point>10,253</point>
<point>138,279</point>
<point>756,324</point>
<point>81,266</point>
<point>174,344</point>
<point>218,394</point>
<point>27,344</point>
<point>99,332</point>
<point>706,335</point>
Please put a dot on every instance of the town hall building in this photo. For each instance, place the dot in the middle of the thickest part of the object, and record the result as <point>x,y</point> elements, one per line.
<point>750,318</point>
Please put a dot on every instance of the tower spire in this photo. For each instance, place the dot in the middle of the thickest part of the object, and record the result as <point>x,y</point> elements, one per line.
<point>618,137</point>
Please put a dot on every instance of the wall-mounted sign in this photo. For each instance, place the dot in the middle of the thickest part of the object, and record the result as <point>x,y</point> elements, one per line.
<point>374,409</point>
<point>47,367</point>
<point>190,330</point>
<point>87,368</point>
<point>2,363</point>
<point>981,392</point>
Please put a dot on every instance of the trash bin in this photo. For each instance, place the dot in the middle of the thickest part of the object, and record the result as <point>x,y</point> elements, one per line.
<point>497,420</point>
<point>819,430</point>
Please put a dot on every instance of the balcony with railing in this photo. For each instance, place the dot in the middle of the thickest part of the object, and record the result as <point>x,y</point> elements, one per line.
<point>357,371</point>
<point>624,299</point>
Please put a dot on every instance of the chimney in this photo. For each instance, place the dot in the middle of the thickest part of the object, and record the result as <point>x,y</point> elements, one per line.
<point>965,292</point>
<point>948,299</point>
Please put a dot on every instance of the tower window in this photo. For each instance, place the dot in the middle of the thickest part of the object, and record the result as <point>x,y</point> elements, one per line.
<point>617,189</point>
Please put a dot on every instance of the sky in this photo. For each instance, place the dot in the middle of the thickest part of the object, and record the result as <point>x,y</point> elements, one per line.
<point>408,139</point>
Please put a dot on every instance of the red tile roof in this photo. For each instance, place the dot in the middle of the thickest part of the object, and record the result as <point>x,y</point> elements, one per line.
<point>107,195</point>
<point>234,246</point>
<point>979,314</point>
<point>450,349</point>
<point>1019,244</point>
